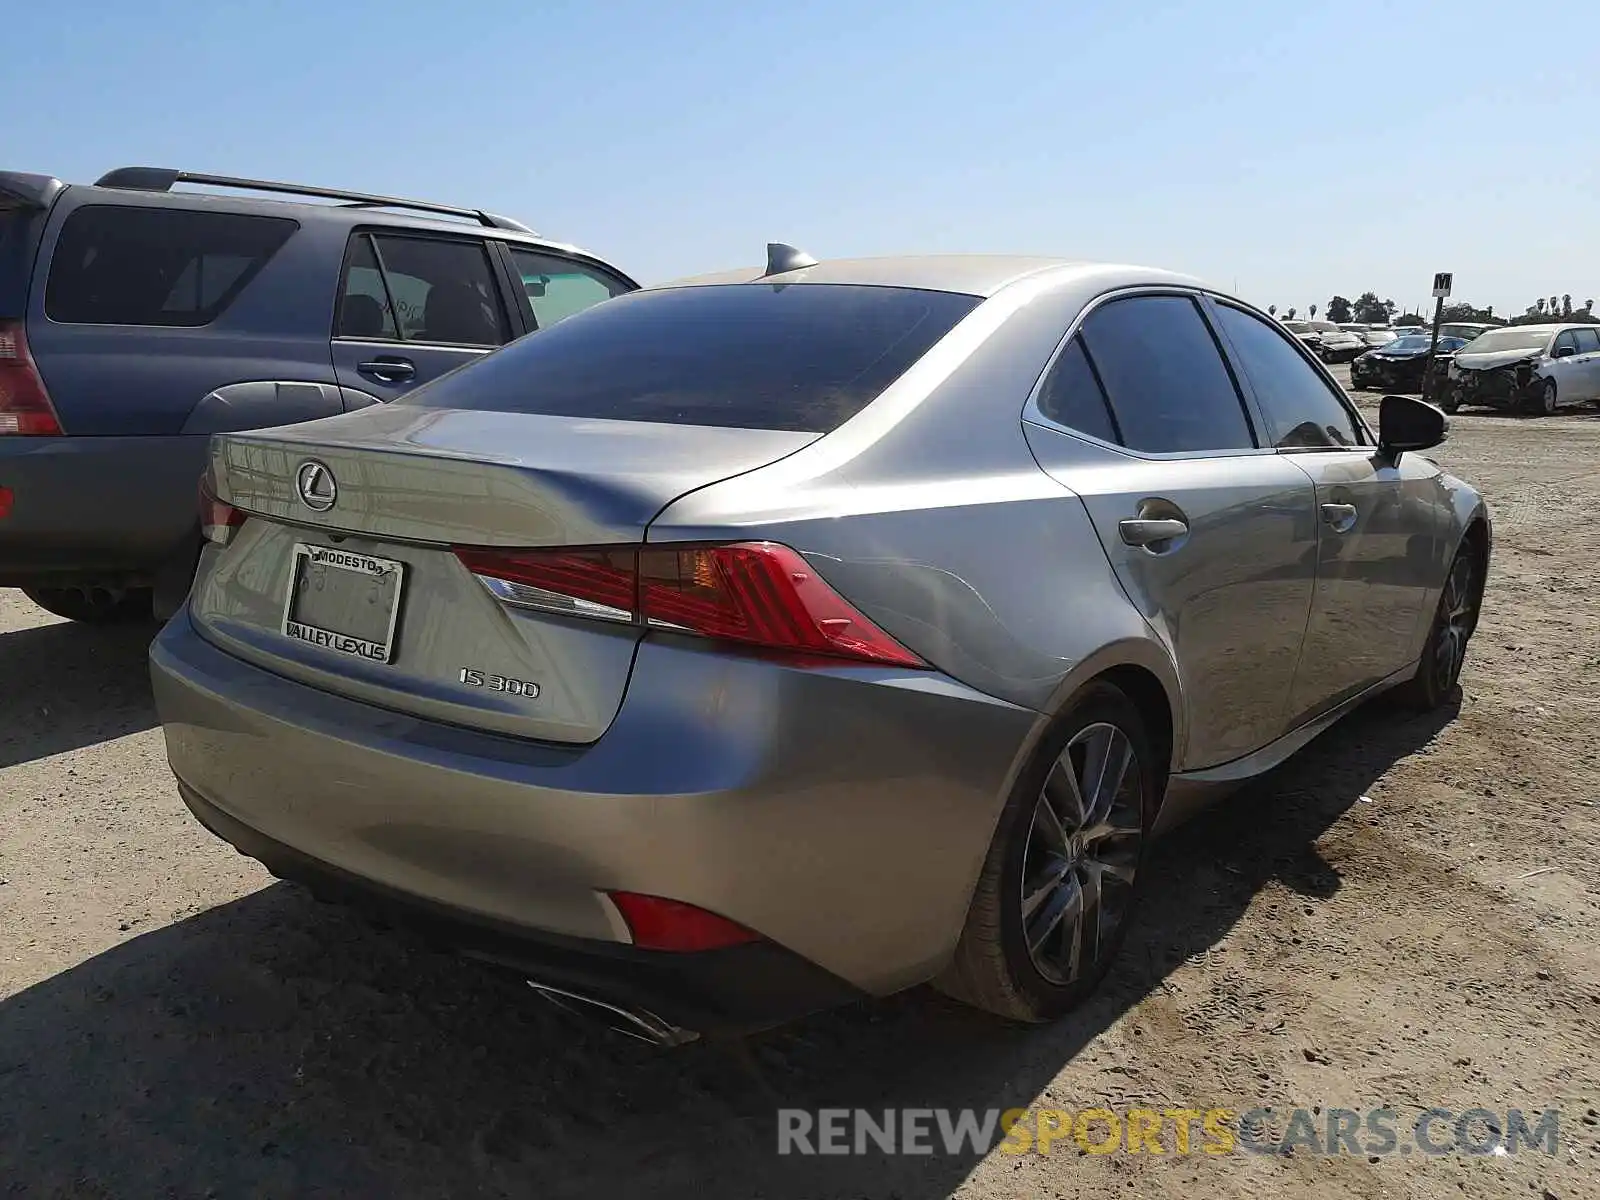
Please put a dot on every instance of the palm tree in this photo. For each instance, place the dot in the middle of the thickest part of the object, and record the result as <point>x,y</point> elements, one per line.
<point>1272,309</point>
<point>1291,314</point>
<point>1566,304</point>
<point>1313,311</point>
<point>1539,306</point>
<point>1588,307</point>
<point>1554,300</point>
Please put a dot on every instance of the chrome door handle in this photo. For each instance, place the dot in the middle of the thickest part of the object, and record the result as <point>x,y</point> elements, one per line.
<point>390,370</point>
<point>1341,518</point>
<point>1144,531</point>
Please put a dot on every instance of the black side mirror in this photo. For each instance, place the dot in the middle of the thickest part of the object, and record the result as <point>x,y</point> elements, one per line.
<point>1406,423</point>
<point>1565,351</point>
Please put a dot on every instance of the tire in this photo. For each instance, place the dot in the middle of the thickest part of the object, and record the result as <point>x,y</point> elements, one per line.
<point>1544,404</point>
<point>994,968</point>
<point>1454,621</point>
<point>94,605</point>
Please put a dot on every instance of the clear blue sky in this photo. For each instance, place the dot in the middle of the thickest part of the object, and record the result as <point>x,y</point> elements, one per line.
<point>1296,149</point>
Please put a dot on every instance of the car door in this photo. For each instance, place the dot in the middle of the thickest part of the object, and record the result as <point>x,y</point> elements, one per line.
<point>411,307</point>
<point>1588,342</point>
<point>1213,538</point>
<point>1377,521</point>
<point>1567,368</point>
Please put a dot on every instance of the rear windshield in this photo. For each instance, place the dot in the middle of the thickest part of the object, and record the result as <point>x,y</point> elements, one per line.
<point>16,257</point>
<point>798,357</point>
<point>156,266</point>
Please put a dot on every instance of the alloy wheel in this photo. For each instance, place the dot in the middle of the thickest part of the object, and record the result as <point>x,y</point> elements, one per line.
<point>1457,608</point>
<point>1082,853</point>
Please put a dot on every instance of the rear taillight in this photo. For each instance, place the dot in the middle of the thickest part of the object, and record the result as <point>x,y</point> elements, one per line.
<point>660,924</point>
<point>25,406</point>
<point>758,594</point>
<point>218,518</point>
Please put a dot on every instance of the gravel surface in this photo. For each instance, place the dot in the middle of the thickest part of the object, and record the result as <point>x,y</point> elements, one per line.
<point>1404,915</point>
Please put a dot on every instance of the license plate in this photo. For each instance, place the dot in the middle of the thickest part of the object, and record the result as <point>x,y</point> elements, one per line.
<point>343,601</point>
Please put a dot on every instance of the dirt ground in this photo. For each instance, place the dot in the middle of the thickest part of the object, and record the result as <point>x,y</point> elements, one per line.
<point>1405,915</point>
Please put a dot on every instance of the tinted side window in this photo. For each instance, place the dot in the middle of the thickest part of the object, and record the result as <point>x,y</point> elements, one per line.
<point>1588,340</point>
<point>156,266</point>
<point>1169,388</point>
<point>558,287</point>
<point>432,289</point>
<point>1300,406</point>
<point>802,357</point>
<point>1565,341</point>
<point>1071,395</point>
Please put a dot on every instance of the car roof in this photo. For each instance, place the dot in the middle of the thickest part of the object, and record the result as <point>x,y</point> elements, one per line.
<point>970,274</point>
<point>224,199</point>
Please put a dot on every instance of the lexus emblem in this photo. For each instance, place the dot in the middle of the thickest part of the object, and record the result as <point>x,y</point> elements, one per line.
<point>315,485</point>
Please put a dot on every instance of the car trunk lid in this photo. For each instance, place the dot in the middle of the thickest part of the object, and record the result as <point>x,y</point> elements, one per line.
<point>360,591</point>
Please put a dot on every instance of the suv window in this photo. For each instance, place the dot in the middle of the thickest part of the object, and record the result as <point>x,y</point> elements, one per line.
<point>156,266</point>
<point>804,357</point>
<point>1071,395</point>
<point>1300,406</point>
<point>1564,341</point>
<point>1169,389</point>
<point>429,289</point>
<point>559,287</point>
<point>1588,341</point>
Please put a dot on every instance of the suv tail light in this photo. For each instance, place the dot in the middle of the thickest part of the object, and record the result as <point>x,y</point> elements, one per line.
<point>218,518</point>
<point>25,406</point>
<point>759,594</point>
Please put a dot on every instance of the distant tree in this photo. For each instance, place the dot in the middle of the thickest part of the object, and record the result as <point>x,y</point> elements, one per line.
<point>1462,311</point>
<point>1566,304</point>
<point>1369,310</point>
<point>1339,310</point>
<point>1538,306</point>
<point>1291,314</point>
<point>1411,319</point>
<point>1272,309</point>
<point>1588,307</point>
<point>1554,300</point>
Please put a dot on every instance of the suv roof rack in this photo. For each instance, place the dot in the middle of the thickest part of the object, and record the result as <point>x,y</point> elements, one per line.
<point>161,179</point>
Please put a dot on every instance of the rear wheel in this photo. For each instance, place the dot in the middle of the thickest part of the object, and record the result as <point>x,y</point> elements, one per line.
<point>1453,623</point>
<point>93,605</point>
<point>1061,880</point>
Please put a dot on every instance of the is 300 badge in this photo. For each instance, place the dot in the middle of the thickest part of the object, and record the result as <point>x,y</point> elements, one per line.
<point>499,683</point>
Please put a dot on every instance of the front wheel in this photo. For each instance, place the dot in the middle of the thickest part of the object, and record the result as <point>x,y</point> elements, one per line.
<point>1543,403</point>
<point>1453,622</point>
<point>93,605</point>
<point>1062,876</point>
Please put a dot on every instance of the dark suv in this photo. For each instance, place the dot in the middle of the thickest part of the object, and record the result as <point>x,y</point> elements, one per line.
<point>136,321</point>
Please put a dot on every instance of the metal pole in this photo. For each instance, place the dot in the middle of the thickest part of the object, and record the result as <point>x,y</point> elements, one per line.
<point>1433,348</point>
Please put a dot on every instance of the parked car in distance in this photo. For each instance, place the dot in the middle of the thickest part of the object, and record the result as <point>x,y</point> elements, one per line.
<point>1335,344</point>
<point>1305,334</point>
<point>752,644</point>
<point>1399,365</point>
<point>136,320</point>
<point>1467,330</point>
<point>1532,368</point>
<point>1376,337</point>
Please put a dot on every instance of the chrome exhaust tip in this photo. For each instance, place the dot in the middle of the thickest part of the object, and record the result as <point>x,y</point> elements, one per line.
<point>637,1023</point>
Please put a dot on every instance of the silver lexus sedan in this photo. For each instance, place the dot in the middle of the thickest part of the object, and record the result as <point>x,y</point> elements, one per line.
<point>746,645</point>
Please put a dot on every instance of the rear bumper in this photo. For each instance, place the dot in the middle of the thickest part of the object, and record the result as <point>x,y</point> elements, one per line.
<point>843,814</point>
<point>736,989</point>
<point>91,509</point>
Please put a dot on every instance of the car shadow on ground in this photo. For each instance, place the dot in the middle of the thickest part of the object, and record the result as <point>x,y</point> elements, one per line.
<point>68,685</point>
<point>274,1046</point>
